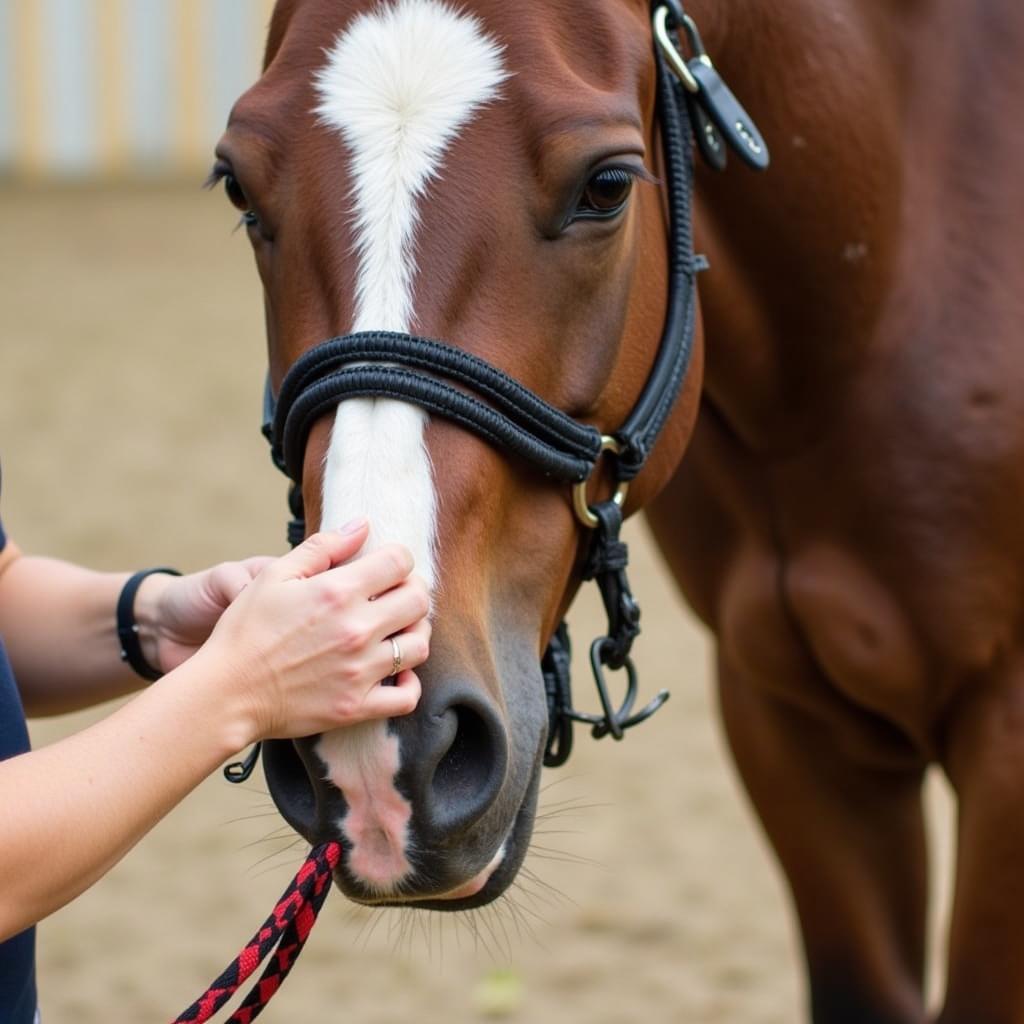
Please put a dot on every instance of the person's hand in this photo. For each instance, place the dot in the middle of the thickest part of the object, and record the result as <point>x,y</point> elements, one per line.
<point>176,614</point>
<point>306,645</point>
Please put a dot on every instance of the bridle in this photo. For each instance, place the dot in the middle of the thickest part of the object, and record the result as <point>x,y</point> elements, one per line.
<point>468,391</point>
<point>481,398</point>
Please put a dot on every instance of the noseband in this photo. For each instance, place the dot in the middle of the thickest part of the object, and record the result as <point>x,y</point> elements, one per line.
<point>446,381</point>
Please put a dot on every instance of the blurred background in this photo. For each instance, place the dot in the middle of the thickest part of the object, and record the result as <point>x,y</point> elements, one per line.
<point>121,88</point>
<point>131,365</point>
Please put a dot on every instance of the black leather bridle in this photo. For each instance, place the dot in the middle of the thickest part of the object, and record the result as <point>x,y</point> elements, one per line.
<point>446,381</point>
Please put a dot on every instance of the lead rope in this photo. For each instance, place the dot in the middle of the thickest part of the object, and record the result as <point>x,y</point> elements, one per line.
<point>287,929</point>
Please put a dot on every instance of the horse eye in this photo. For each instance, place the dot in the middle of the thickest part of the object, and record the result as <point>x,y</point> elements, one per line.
<point>235,194</point>
<point>606,193</point>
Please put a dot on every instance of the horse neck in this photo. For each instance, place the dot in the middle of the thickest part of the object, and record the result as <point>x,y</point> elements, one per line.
<point>864,107</point>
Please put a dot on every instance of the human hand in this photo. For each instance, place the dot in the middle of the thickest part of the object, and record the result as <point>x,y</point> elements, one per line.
<point>176,614</point>
<point>306,648</point>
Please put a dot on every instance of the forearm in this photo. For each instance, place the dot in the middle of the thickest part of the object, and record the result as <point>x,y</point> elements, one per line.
<point>58,625</point>
<point>300,650</point>
<point>72,810</point>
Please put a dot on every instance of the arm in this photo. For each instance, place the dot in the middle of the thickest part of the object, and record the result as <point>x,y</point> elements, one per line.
<point>58,626</point>
<point>73,809</point>
<point>57,621</point>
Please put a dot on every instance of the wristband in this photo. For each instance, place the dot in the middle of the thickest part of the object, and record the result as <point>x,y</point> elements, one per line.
<point>128,628</point>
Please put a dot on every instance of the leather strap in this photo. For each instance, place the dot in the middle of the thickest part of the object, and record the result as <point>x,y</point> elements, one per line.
<point>551,440</point>
<point>485,400</point>
<point>643,425</point>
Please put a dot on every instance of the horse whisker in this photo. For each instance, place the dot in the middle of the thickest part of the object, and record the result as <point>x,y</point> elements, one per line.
<point>250,817</point>
<point>564,857</point>
<point>269,837</point>
<point>277,854</point>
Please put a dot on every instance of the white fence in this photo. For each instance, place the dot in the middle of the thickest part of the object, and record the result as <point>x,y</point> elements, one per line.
<point>92,88</point>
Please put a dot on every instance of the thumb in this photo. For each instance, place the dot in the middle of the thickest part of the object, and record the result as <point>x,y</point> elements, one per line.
<point>225,582</point>
<point>255,564</point>
<point>320,552</point>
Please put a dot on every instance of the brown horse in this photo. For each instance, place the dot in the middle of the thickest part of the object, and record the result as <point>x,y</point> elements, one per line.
<point>847,520</point>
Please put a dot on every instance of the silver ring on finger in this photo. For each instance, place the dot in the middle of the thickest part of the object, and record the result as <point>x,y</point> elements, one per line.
<point>396,656</point>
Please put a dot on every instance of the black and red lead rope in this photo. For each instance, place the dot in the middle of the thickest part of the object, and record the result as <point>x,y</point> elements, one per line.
<point>281,938</point>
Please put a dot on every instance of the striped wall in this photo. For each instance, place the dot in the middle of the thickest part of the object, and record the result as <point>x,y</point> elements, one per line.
<point>92,88</point>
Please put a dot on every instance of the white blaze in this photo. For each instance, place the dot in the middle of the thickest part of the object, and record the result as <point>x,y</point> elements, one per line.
<point>398,85</point>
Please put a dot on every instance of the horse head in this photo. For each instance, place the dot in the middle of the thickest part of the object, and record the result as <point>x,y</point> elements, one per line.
<point>492,175</point>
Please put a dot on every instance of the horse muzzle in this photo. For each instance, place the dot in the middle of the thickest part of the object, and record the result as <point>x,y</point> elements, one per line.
<point>435,807</point>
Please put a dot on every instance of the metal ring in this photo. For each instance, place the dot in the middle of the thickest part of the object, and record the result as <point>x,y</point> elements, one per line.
<point>668,47</point>
<point>396,657</point>
<point>579,491</point>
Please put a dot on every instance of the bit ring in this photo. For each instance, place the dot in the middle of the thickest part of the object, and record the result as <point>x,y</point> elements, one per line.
<point>396,657</point>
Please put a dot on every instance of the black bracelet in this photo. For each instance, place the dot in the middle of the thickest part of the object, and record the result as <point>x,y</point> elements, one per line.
<point>128,628</point>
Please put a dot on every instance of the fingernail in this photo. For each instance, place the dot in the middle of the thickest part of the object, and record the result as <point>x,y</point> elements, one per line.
<point>353,525</point>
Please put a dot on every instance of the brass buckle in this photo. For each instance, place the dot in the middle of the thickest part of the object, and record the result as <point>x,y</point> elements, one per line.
<point>579,491</point>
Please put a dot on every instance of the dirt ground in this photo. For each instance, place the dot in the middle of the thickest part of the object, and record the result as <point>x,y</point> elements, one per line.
<point>131,358</point>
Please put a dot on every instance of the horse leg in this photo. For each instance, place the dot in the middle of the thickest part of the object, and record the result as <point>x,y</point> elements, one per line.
<point>984,758</point>
<point>852,844</point>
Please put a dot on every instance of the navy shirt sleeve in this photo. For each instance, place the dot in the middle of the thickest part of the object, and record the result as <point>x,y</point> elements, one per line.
<point>17,955</point>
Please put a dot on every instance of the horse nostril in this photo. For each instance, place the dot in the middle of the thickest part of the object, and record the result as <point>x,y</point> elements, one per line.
<point>470,769</point>
<point>464,768</point>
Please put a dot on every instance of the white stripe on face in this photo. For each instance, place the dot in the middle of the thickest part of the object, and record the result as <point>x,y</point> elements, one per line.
<point>399,85</point>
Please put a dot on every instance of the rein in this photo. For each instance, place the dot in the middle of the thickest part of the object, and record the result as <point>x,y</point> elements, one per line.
<point>693,103</point>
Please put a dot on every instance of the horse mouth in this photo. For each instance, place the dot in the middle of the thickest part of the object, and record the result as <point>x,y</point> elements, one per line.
<point>476,885</point>
<point>481,889</point>
<point>458,898</point>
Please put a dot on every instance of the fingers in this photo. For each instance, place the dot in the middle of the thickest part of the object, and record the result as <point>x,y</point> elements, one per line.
<point>413,649</point>
<point>394,701</point>
<point>335,625</point>
<point>320,552</point>
<point>376,572</point>
<point>256,564</point>
<point>226,581</point>
<point>399,607</point>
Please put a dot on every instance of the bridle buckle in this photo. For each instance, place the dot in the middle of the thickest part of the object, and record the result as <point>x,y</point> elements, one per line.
<point>676,61</point>
<point>581,506</point>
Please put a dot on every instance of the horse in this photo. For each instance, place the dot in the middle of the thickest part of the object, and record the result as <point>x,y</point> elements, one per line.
<point>834,481</point>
